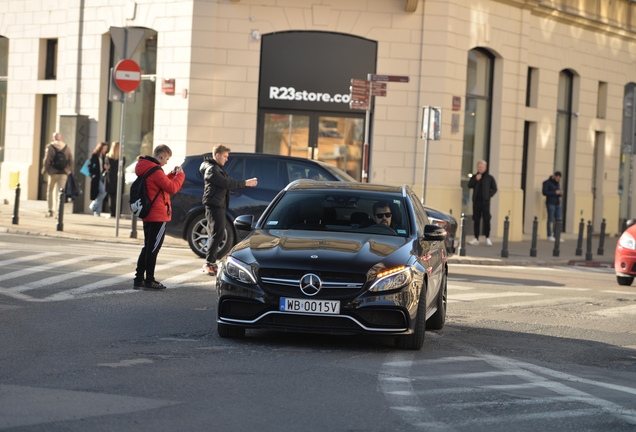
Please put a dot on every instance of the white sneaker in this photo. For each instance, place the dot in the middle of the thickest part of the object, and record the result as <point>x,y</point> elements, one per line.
<point>561,240</point>
<point>551,238</point>
<point>488,242</point>
<point>474,242</point>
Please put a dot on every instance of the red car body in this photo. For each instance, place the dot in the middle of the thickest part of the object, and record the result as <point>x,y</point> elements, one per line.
<point>625,255</point>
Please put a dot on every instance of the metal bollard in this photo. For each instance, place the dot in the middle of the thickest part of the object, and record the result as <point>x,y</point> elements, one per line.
<point>579,242</point>
<point>533,246</point>
<point>133,231</point>
<point>60,211</point>
<point>16,206</point>
<point>588,254</point>
<point>557,238</point>
<point>462,236</point>
<point>601,241</point>
<point>504,248</point>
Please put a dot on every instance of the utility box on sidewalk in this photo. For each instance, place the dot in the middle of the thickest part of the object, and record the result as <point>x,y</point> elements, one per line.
<point>74,129</point>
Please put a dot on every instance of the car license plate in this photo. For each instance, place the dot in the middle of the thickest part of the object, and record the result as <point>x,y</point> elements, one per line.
<point>310,306</point>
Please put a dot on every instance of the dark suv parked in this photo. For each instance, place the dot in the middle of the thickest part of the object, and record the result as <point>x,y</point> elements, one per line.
<point>273,172</point>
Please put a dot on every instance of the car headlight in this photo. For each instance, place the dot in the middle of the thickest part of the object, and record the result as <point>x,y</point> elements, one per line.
<point>239,271</point>
<point>627,241</point>
<point>393,278</point>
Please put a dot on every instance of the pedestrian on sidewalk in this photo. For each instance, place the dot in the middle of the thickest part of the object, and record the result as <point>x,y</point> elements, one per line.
<point>111,179</point>
<point>159,187</point>
<point>57,164</point>
<point>553,193</point>
<point>484,187</point>
<point>216,198</point>
<point>98,167</point>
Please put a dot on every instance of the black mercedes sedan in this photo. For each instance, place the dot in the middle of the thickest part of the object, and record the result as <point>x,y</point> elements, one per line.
<point>334,257</point>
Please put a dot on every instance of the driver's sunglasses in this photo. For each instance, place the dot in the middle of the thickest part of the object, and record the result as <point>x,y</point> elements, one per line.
<point>383,215</point>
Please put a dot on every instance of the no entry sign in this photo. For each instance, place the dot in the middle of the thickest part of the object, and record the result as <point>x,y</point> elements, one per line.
<point>127,75</point>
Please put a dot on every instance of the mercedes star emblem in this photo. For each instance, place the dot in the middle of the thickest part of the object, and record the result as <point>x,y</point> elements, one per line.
<point>314,256</point>
<point>310,284</point>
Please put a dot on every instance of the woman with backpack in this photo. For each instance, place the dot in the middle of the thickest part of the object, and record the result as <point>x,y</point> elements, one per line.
<point>111,179</point>
<point>98,167</point>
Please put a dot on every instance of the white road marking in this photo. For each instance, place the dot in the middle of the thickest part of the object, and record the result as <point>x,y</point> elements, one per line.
<point>179,279</point>
<point>548,302</point>
<point>482,296</point>
<point>63,277</point>
<point>459,287</point>
<point>66,295</point>
<point>617,311</point>
<point>45,267</point>
<point>28,258</point>
<point>553,288</point>
<point>127,363</point>
<point>619,292</point>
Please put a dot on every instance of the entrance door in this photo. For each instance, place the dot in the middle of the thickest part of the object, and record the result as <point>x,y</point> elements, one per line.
<point>49,116</point>
<point>335,139</point>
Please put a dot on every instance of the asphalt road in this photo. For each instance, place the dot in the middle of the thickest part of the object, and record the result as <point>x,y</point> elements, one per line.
<point>527,348</point>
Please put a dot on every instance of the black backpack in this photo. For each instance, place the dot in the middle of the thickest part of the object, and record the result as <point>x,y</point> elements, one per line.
<point>139,202</point>
<point>59,159</point>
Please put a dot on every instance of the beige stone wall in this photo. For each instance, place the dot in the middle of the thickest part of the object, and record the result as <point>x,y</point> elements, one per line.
<point>207,47</point>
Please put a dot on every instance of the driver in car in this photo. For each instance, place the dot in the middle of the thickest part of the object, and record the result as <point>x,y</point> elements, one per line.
<point>382,214</point>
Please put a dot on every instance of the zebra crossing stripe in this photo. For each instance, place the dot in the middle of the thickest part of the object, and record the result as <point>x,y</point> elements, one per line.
<point>44,267</point>
<point>128,277</point>
<point>28,258</point>
<point>66,276</point>
<point>179,279</point>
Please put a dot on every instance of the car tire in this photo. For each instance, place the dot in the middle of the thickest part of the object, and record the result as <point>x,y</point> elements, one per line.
<point>625,280</point>
<point>197,236</point>
<point>415,341</point>
<point>437,321</point>
<point>230,331</point>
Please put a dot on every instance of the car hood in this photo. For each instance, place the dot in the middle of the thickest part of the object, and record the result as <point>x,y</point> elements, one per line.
<point>314,250</point>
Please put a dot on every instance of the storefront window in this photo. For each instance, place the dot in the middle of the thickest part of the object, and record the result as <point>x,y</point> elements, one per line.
<point>139,123</point>
<point>563,125</point>
<point>340,142</point>
<point>479,77</point>
<point>4,66</point>
<point>286,134</point>
<point>625,175</point>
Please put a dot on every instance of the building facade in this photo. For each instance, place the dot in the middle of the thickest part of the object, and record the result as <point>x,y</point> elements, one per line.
<point>530,86</point>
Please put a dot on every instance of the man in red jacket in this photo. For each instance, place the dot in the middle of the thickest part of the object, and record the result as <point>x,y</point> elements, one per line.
<point>159,185</point>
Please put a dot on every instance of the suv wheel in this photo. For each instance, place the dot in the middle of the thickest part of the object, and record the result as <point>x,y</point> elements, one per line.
<point>198,237</point>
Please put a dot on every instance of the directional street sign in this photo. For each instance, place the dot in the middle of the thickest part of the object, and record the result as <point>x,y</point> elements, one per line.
<point>377,92</point>
<point>359,105</point>
<point>378,85</point>
<point>360,97</point>
<point>360,83</point>
<point>359,90</point>
<point>390,78</point>
<point>127,75</point>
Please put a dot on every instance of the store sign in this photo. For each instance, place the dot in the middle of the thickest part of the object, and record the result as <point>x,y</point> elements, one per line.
<point>311,70</point>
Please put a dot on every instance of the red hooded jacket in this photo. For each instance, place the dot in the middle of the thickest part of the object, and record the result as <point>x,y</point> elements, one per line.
<point>158,181</point>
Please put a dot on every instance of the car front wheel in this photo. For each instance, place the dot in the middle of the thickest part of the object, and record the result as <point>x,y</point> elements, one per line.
<point>198,235</point>
<point>415,341</point>
<point>625,280</point>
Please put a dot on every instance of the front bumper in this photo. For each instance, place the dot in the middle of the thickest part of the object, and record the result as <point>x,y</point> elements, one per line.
<point>252,306</point>
<point>625,261</point>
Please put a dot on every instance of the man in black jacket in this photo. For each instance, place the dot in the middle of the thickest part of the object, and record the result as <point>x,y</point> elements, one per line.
<point>552,191</point>
<point>484,187</point>
<point>216,198</point>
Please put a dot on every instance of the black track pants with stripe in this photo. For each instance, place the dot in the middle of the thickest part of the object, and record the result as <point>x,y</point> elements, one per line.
<point>154,233</point>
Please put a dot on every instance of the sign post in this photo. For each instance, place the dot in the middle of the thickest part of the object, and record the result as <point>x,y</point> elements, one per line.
<point>361,92</point>
<point>125,78</point>
<point>431,130</point>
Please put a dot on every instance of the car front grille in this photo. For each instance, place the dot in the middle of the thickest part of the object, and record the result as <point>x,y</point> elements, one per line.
<point>335,285</point>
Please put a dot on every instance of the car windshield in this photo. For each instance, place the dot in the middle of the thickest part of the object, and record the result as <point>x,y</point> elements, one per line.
<point>339,211</point>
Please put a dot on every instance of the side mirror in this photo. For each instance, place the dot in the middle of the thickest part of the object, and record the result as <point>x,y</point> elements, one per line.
<point>244,222</point>
<point>434,233</point>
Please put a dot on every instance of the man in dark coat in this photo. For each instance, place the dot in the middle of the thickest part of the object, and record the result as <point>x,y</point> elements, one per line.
<point>552,191</point>
<point>484,187</point>
<point>216,198</point>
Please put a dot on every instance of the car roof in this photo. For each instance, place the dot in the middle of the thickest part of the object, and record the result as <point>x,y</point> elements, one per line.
<point>269,155</point>
<point>306,184</point>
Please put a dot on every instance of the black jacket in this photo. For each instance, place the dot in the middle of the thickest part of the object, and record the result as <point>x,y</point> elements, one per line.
<point>218,184</point>
<point>550,187</point>
<point>483,189</point>
<point>96,168</point>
